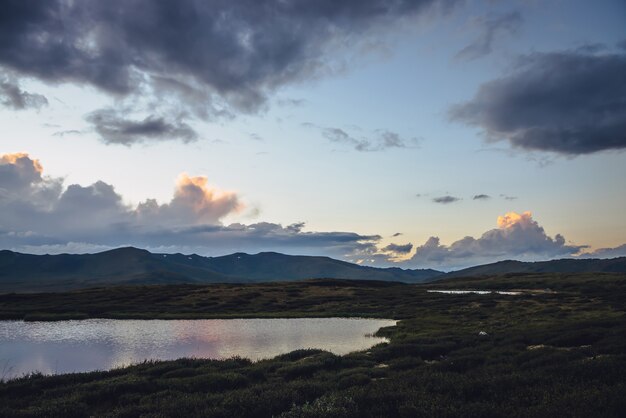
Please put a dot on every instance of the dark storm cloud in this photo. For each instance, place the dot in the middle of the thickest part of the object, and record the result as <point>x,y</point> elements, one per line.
<point>491,28</point>
<point>114,128</point>
<point>446,199</point>
<point>399,248</point>
<point>12,96</point>
<point>481,197</point>
<point>570,102</point>
<point>232,52</point>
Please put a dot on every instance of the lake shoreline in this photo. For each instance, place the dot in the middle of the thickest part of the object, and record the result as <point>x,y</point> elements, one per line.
<point>149,316</point>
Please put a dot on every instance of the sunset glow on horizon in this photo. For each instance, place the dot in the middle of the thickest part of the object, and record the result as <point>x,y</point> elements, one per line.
<point>388,134</point>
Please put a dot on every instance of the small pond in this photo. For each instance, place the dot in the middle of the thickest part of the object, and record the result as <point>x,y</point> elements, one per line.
<point>102,344</point>
<point>478,292</point>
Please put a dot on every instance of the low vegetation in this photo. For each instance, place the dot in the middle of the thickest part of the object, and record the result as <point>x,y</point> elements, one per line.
<point>558,349</point>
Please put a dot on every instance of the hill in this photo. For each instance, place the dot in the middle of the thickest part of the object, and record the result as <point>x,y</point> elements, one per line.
<point>591,265</point>
<point>126,266</point>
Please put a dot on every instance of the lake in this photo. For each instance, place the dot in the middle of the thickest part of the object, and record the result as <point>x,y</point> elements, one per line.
<point>102,344</point>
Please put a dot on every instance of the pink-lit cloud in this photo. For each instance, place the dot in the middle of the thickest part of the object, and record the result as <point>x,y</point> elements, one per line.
<point>195,201</point>
<point>40,214</point>
<point>517,236</point>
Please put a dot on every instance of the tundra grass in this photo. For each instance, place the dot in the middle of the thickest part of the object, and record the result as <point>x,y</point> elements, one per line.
<point>557,349</point>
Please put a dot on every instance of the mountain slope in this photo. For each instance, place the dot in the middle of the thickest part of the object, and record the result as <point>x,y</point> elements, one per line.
<point>26,272</point>
<point>591,265</point>
<point>275,266</point>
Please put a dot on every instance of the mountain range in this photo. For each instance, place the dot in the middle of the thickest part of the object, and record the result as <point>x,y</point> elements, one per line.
<point>132,266</point>
<point>27,272</point>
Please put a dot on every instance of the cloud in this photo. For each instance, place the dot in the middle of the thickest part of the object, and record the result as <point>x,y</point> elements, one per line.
<point>446,199</point>
<point>379,140</point>
<point>481,197</point>
<point>266,236</point>
<point>397,234</point>
<point>518,236</point>
<point>570,102</point>
<point>491,29</point>
<point>255,137</point>
<point>18,170</point>
<point>506,197</point>
<point>114,128</point>
<point>67,132</point>
<point>33,202</point>
<point>619,251</point>
<point>64,248</point>
<point>13,97</point>
<point>216,57</point>
<point>211,240</point>
<point>400,249</point>
<point>194,202</point>
<point>292,102</point>
<point>40,214</point>
<point>22,178</point>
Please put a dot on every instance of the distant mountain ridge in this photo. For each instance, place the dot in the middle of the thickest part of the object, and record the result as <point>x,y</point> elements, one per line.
<point>28,273</point>
<point>132,266</point>
<point>565,265</point>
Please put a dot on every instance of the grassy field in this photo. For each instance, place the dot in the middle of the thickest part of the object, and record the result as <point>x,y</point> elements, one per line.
<point>559,349</point>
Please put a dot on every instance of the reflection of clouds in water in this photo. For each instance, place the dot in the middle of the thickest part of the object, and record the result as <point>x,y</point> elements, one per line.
<point>53,357</point>
<point>263,338</point>
<point>98,344</point>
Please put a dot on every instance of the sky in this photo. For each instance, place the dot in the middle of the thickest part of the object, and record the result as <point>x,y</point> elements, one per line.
<point>418,134</point>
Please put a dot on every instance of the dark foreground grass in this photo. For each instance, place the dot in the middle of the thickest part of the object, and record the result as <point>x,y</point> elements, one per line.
<point>557,351</point>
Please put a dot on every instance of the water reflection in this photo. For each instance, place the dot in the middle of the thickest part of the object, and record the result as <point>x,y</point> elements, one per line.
<point>100,344</point>
<point>478,292</point>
